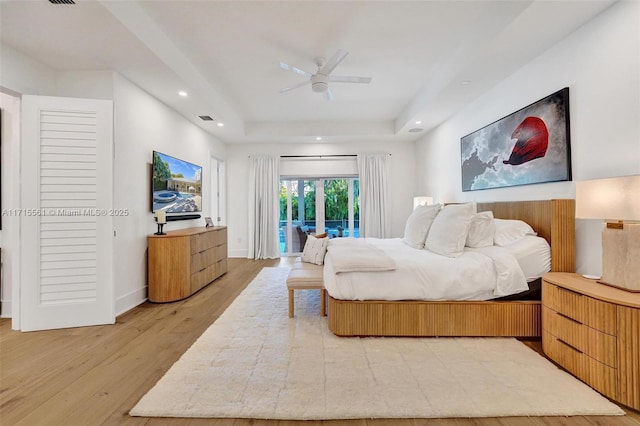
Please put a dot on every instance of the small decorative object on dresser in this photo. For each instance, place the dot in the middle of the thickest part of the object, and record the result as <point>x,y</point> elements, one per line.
<point>594,332</point>
<point>184,261</point>
<point>161,219</point>
<point>208,222</point>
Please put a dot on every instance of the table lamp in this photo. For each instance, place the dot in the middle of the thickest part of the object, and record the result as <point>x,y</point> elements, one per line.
<point>617,201</point>
<point>422,201</point>
<point>161,219</point>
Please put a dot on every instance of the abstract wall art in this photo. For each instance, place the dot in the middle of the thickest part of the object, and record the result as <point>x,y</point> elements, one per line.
<point>529,146</point>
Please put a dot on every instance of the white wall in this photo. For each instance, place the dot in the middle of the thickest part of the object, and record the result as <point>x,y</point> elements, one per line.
<point>9,235</point>
<point>85,84</point>
<point>141,124</point>
<point>600,63</point>
<point>22,74</point>
<point>402,182</point>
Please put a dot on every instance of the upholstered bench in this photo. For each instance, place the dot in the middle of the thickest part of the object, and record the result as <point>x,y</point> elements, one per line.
<point>306,276</point>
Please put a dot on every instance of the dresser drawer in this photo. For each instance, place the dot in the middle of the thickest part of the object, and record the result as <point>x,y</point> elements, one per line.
<point>204,276</point>
<point>594,343</point>
<point>596,374</point>
<point>208,239</point>
<point>201,260</point>
<point>221,252</point>
<point>584,309</point>
<point>204,241</point>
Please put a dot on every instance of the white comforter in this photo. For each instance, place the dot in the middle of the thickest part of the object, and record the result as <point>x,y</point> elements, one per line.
<point>479,274</point>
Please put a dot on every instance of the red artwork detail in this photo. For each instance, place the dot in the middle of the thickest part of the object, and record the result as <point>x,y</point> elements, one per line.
<point>532,140</point>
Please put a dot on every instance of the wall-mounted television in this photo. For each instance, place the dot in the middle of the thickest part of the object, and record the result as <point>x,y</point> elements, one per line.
<point>176,187</point>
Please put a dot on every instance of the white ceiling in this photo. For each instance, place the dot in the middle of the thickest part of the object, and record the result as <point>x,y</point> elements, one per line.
<point>225,54</point>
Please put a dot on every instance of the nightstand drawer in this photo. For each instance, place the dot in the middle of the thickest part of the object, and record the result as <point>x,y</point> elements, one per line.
<point>594,343</point>
<point>597,375</point>
<point>584,309</point>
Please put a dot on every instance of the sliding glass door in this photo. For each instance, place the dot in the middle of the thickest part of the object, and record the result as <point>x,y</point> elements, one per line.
<point>342,212</point>
<point>315,206</point>
<point>297,213</point>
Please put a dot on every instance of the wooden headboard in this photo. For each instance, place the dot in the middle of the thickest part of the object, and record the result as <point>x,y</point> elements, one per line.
<point>553,220</point>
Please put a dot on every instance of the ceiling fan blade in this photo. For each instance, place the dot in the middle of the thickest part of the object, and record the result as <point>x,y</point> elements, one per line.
<point>286,89</point>
<point>328,95</point>
<point>294,69</point>
<point>349,79</point>
<point>333,62</point>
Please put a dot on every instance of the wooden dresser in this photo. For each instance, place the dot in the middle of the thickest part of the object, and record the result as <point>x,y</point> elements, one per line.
<point>593,331</point>
<point>182,262</point>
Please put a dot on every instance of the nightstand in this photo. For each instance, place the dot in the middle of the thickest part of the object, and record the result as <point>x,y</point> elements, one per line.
<point>593,331</point>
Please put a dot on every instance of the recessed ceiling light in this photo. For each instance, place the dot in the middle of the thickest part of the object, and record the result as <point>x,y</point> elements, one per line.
<point>182,93</point>
<point>419,122</point>
<point>220,124</point>
<point>318,138</point>
<point>465,82</point>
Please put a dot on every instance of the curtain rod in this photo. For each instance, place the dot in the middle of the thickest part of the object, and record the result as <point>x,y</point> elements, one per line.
<point>318,156</point>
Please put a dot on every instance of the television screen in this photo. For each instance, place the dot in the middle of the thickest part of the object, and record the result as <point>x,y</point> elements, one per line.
<point>177,185</point>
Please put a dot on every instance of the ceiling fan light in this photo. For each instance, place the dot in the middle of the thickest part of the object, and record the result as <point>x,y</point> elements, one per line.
<point>320,87</point>
<point>319,83</point>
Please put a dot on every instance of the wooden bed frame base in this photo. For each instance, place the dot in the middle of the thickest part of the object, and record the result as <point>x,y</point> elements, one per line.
<point>417,318</point>
<point>553,220</point>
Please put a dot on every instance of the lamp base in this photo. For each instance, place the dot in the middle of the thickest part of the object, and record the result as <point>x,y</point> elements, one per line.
<point>620,254</point>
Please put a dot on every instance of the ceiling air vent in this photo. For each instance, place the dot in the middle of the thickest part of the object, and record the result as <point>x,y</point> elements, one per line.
<point>62,1</point>
<point>206,118</point>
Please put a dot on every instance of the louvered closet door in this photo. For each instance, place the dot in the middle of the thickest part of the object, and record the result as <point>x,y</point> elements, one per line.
<point>66,227</point>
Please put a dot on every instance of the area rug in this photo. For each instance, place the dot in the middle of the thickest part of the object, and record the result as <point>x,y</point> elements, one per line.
<point>255,362</point>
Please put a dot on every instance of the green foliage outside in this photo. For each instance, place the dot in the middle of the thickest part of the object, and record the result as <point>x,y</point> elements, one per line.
<point>336,200</point>
<point>161,173</point>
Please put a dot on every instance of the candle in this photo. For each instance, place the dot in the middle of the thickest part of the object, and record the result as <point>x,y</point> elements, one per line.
<point>161,216</point>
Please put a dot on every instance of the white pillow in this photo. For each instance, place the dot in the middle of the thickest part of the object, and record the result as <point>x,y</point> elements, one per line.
<point>510,231</point>
<point>481,231</point>
<point>314,250</point>
<point>449,230</point>
<point>418,224</point>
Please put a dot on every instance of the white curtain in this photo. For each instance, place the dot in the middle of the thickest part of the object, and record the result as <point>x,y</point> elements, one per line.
<point>264,208</point>
<point>374,195</point>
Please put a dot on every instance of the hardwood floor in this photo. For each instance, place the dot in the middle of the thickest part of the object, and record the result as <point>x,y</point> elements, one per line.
<point>95,375</point>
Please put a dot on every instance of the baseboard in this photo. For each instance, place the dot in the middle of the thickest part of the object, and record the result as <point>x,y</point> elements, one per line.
<point>131,300</point>
<point>123,304</point>
<point>238,253</point>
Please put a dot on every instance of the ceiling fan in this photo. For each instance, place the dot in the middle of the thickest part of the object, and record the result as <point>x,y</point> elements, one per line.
<point>320,80</point>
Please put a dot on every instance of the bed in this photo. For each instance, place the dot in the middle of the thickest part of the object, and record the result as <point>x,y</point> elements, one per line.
<point>553,220</point>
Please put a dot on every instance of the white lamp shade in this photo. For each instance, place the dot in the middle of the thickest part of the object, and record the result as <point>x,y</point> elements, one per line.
<point>422,201</point>
<point>612,198</point>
